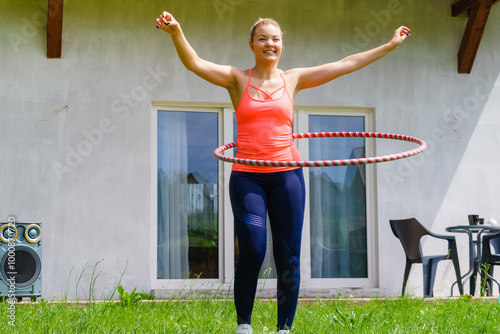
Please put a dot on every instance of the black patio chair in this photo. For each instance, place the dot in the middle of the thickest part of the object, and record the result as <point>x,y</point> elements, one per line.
<point>409,232</point>
<point>490,259</point>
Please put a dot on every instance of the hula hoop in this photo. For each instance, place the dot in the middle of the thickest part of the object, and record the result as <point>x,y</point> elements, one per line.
<point>326,163</point>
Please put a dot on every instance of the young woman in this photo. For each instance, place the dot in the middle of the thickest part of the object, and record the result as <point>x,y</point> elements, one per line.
<point>263,101</point>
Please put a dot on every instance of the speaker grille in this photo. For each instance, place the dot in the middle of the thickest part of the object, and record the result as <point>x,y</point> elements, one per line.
<point>25,267</point>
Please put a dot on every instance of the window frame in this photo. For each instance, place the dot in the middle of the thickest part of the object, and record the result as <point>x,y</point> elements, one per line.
<point>172,287</point>
<point>302,122</point>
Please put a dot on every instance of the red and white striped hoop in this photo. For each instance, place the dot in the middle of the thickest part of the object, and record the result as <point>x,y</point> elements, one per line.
<point>327,163</point>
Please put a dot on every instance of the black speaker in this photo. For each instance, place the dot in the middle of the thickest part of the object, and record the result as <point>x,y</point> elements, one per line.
<point>20,260</point>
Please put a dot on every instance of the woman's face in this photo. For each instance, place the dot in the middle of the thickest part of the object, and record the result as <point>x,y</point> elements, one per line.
<point>267,43</point>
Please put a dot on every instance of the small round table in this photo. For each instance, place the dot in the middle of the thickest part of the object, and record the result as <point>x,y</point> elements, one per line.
<point>474,257</point>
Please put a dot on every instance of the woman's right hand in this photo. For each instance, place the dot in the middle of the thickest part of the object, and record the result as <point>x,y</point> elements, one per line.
<point>167,22</point>
<point>220,75</point>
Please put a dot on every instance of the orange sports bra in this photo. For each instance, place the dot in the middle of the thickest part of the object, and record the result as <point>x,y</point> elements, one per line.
<point>265,130</point>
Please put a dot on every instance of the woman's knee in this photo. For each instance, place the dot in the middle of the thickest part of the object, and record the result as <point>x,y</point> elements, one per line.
<point>251,258</point>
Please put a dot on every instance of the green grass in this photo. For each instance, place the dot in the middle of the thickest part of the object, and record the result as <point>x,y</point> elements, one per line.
<point>204,316</point>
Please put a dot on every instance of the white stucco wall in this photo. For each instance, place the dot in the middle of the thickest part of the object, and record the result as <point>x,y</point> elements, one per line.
<point>86,173</point>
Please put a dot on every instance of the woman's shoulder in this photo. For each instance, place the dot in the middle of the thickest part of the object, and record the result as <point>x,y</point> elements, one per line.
<point>239,71</point>
<point>291,72</point>
<point>241,76</point>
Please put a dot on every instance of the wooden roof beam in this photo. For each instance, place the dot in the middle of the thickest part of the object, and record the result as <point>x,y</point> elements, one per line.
<point>54,28</point>
<point>464,5</point>
<point>479,11</point>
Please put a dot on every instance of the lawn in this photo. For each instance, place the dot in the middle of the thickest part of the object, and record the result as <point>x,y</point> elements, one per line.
<point>398,315</point>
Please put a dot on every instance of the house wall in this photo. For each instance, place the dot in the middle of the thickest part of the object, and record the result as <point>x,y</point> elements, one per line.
<point>85,173</point>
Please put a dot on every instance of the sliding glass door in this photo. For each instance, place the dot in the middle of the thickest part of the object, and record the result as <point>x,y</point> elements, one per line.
<point>194,230</point>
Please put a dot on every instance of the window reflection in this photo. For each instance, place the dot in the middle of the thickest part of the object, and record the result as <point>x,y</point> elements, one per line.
<point>337,201</point>
<point>187,195</point>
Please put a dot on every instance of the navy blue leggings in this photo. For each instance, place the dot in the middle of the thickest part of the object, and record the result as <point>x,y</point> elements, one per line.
<point>282,196</point>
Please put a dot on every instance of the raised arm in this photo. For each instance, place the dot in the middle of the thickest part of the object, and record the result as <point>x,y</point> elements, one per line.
<point>318,75</point>
<point>220,75</point>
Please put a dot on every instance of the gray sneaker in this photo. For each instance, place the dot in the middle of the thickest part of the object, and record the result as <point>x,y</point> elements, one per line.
<point>244,329</point>
<point>283,331</point>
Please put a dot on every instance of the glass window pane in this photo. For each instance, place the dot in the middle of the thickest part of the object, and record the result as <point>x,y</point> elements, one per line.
<point>187,195</point>
<point>337,201</point>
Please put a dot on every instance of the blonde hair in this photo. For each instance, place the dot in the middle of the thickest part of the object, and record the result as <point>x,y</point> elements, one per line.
<point>261,22</point>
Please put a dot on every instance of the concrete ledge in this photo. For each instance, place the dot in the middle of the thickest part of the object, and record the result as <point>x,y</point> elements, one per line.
<point>222,293</point>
